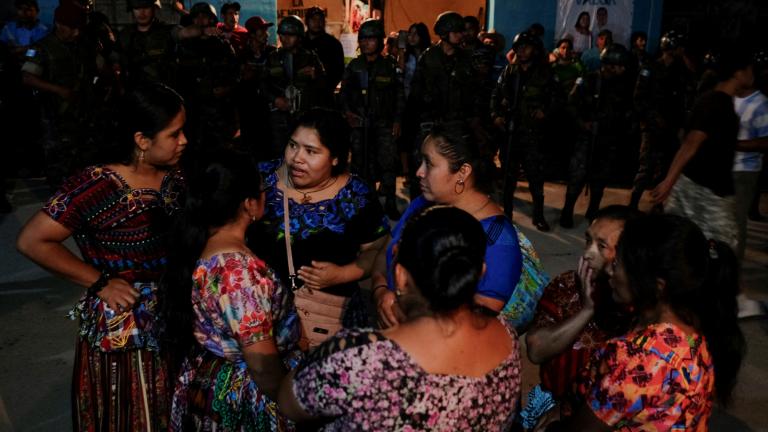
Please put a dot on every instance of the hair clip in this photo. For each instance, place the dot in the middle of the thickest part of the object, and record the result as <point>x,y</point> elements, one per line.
<point>713,250</point>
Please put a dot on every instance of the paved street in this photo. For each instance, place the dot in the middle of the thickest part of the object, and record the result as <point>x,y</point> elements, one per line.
<point>37,341</point>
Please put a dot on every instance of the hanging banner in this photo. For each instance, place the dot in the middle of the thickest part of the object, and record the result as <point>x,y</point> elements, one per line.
<point>582,20</point>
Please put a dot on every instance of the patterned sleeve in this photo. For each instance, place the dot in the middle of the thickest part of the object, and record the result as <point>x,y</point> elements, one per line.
<point>245,300</point>
<point>326,384</point>
<point>607,383</point>
<point>369,222</point>
<point>70,203</point>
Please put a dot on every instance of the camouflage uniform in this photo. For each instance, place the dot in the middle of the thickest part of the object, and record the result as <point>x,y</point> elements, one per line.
<point>445,89</point>
<point>207,74</point>
<point>63,64</point>
<point>374,92</point>
<point>603,109</point>
<point>147,56</point>
<point>519,95</point>
<point>280,74</point>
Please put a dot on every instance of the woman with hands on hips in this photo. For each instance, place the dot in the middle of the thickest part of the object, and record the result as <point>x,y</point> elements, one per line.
<point>119,214</point>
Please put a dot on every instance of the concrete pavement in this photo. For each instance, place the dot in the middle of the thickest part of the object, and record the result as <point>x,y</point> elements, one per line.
<point>37,341</point>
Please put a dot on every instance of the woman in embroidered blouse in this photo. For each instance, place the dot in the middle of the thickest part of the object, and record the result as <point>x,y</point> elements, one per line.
<point>241,318</point>
<point>450,365</point>
<point>686,349</point>
<point>119,214</point>
<point>337,223</point>
<point>453,172</point>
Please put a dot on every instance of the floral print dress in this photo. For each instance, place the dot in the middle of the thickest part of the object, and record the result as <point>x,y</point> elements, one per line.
<point>656,378</point>
<point>237,301</point>
<point>360,380</point>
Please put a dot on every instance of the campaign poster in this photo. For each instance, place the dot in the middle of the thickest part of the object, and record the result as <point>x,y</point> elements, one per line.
<point>582,20</point>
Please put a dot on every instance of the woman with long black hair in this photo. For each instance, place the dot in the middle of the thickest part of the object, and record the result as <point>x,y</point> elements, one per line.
<point>227,299</point>
<point>119,214</point>
<point>686,348</point>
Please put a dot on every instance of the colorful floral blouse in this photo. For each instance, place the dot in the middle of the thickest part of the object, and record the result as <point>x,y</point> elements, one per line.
<point>360,380</point>
<point>653,379</point>
<point>237,301</point>
<point>121,230</point>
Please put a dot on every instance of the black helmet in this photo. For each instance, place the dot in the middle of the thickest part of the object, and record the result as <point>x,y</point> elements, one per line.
<point>371,28</point>
<point>291,25</point>
<point>314,10</point>
<point>206,8</point>
<point>615,54</point>
<point>527,38</point>
<point>448,22</point>
<point>672,40</point>
<point>136,4</point>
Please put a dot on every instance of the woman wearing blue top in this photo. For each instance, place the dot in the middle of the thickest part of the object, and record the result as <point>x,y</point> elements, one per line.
<point>452,172</point>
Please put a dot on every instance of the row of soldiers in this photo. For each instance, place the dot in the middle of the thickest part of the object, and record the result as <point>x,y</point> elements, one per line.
<point>250,93</point>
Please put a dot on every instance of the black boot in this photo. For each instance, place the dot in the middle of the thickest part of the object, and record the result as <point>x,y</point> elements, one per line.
<point>538,219</point>
<point>595,196</point>
<point>566,214</point>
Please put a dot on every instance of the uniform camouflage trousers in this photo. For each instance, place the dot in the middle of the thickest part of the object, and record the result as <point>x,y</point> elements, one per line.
<point>526,151</point>
<point>591,163</point>
<point>377,159</point>
<point>657,148</point>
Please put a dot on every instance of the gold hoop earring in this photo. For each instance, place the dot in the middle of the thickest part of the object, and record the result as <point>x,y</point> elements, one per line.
<point>459,186</point>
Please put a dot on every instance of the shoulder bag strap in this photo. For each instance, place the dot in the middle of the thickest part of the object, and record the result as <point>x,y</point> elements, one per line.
<point>287,223</point>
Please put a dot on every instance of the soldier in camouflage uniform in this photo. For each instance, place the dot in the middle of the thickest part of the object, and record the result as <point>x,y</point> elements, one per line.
<point>55,68</point>
<point>294,81</point>
<point>660,101</point>
<point>145,49</point>
<point>602,105</point>
<point>524,96</point>
<point>207,74</point>
<point>445,88</point>
<point>373,98</point>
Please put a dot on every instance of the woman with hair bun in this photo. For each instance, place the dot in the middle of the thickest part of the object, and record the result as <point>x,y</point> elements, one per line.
<point>454,172</point>
<point>686,348</point>
<point>449,365</point>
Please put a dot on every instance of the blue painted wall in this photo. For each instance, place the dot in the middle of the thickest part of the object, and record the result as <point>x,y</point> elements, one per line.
<point>510,17</point>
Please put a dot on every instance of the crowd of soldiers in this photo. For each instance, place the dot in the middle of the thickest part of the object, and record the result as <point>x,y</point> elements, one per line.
<point>537,110</point>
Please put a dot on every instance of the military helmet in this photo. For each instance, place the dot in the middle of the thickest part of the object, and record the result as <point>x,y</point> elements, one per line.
<point>615,54</point>
<point>672,40</point>
<point>371,28</point>
<point>291,25</point>
<point>136,4</point>
<point>527,38</point>
<point>314,10</point>
<point>448,22</point>
<point>202,7</point>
